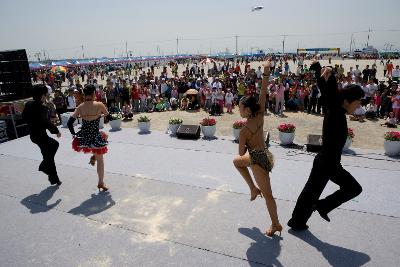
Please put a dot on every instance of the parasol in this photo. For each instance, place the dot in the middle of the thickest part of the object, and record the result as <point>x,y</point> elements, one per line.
<point>207,60</point>
<point>58,69</point>
<point>191,92</point>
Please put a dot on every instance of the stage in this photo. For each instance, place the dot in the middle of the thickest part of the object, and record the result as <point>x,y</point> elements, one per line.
<point>181,203</point>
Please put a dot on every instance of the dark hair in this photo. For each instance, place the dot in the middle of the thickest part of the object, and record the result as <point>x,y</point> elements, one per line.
<point>351,93</point>
<point>89,90</point>
<point>38,91</point>
<point>250,102</point>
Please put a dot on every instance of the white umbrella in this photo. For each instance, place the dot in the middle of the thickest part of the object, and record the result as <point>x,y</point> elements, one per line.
<point>207,60</point>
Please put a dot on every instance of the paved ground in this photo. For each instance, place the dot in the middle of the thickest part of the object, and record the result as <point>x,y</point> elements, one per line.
<point>181,203</point>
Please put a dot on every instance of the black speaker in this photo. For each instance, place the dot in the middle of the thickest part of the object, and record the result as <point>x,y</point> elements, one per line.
<point>188,132</point>
<point>15,75</point>
<point>314,143</point>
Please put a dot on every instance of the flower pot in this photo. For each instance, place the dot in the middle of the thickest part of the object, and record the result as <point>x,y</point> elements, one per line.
<point>209,131</point>
<point>101,123</point>
<point>116,124</point>
<point>173,128</point>
<point>144,126</point>
<point>286,138</point>
<point>392,148</point>
<point>65,118</point>
<point>347,144</point>
<point>236,133</point>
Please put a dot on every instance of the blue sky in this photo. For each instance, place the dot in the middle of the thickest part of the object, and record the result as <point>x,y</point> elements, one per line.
<point>151,27</point>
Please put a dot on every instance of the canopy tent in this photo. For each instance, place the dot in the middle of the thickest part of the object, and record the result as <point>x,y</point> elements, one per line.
<point>103,60</point>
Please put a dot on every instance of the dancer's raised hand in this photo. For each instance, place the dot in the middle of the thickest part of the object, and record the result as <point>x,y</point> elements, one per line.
<point>267,65</point>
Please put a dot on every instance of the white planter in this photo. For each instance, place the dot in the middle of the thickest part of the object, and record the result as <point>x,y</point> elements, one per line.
<point>101,122</point>
<point>286,138</point>
<point>347,144</point>
<point>144,126</point>
<point>173,128</point>
<point>65,118</point>
<point>209,131</point>
<point>236,133</point>
<point>392,148</point>
<point>115,124</point>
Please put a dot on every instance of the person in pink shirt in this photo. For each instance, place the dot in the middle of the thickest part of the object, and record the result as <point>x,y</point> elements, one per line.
<point>396,104</point>
<point>279,98</point>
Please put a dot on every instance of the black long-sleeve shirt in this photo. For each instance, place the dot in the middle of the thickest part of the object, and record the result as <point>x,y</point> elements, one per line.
<point>334,129</point>
<point>36,116</point>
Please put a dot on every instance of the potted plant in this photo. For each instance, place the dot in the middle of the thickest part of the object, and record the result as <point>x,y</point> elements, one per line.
<point>143,124</point>
<point>237,126</point>
<point>174,124</point>
<point>286,133</point>
<point>208,127</point>
<point>392,143</point>
<point>349,140</point>
<point>115,121</point>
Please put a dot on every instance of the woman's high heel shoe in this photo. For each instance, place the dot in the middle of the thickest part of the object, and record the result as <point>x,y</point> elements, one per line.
<point>102,186</point>
<point>274,228</point>
<point>92,160</point>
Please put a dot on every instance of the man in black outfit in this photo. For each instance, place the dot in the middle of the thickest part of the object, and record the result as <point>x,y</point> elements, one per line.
<point>326,164</point>
<point>36,115</point>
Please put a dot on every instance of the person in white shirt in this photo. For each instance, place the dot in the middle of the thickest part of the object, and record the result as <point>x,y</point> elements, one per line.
<point>259,72</point>
<point>71,101</point>
<point>357,72</point>
<point>217,84</point>
<point>396,73</point>
<point>370,113</point>
<point>229,100</point>
<point>358,115</point>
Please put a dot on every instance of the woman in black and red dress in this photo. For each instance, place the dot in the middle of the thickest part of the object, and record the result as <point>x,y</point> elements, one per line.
<point>89,139</point>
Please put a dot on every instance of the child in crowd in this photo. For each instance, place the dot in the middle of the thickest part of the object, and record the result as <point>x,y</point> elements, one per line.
<point>229,101</point>
<point>173,103</point>
<point>396,104</point>
<point>143,100</point>
<point>127,111</point>
<point>151,103</point>
<point>378,102</point>
<point>113,109</point>
<point>370,113</point>
<point>220,100</point>
<point>184,103</point>
<point>390,121</point>
<point>359,114</point>
<point>208,96</point>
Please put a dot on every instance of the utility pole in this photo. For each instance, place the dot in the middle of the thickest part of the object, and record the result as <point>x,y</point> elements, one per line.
<point>283,44</point>
<point>126,48</point>
<point>177,45</point>
<point>369,31</point>
<point>351,43</point>
<point>83,53</point>
<point>236,38</point>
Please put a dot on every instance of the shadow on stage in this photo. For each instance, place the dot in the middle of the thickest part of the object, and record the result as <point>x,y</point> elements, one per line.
<point>336,256</point>
<point>37,203</point>
<point>265,250</point>
<point>95,204</point>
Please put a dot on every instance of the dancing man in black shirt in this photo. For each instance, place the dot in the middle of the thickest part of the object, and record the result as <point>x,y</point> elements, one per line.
<point>326,164</point>
<point>36,115</point>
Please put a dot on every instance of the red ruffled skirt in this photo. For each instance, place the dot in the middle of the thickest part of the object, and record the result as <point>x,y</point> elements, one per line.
<point>86,149</point>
